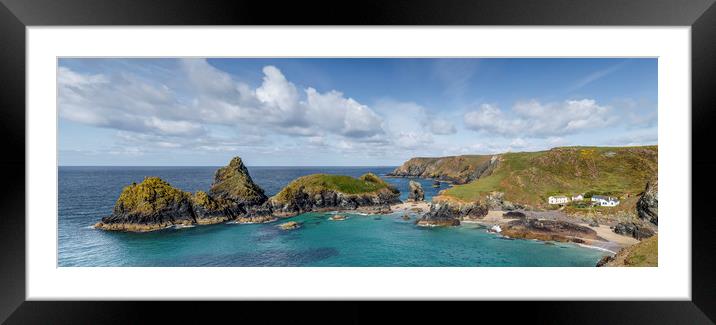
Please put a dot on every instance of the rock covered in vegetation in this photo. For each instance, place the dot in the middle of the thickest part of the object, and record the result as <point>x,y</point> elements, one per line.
<point>154,204</point>
<point>648,205</point>
<point>321,192</point>
<point>150,205</point>
<point>233,196</point>
<point>455,169</point>
<point>416,191</point>
<point>548,230</point>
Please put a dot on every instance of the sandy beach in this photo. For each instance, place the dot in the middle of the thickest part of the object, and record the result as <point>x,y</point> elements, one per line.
<point>613,242</point>
<point>410,206</point>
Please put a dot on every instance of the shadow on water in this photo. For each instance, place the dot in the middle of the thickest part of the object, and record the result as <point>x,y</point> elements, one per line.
<point>263,258</point>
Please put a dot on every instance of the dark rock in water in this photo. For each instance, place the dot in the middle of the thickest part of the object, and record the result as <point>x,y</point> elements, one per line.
<point>548,230</point>
<point>405,217</point>
<point>514,215</point>
<point>436,184</point>
<point>648,205</point>
<point>604,260</point>
<point>633,229</point>
<point>416,191</point>
<point>291,225</point>
<point>337,217</point>
<point>445,213</point>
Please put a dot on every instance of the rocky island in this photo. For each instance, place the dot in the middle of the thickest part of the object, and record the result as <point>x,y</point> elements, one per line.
<point>324,192</point>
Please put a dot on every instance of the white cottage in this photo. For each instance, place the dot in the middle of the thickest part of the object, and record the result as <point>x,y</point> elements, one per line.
<point>605,201</point>
<point>560,199</point>
<point>578,197</point>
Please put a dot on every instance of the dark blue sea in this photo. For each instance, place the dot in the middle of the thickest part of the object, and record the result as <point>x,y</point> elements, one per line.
<point>86,194</point>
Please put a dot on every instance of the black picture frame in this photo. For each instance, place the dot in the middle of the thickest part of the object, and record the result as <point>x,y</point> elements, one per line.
<point>16,15</point>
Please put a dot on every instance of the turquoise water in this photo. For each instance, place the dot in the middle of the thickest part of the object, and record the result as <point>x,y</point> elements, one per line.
<point>88,193</point>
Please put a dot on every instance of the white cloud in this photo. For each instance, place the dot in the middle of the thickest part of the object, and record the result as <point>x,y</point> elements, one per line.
<point>532,118</point>
<point>202,97</point>
<point>442,127</point>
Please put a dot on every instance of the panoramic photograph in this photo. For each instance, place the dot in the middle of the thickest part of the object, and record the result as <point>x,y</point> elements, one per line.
<point>357,162</point>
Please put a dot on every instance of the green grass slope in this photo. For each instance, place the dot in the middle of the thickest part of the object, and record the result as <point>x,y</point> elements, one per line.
<point>316,183</point>
<point>531,177</point>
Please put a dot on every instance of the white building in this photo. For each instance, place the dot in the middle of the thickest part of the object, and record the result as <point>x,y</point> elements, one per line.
<point>558,199</point>
<point>578,197</point>
<point>605,201</point>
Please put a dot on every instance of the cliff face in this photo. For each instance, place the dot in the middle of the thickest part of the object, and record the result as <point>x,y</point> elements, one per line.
<point>648,205</point>
<point>455,169</point>
<point>322,192</point>
<point>154,204</point>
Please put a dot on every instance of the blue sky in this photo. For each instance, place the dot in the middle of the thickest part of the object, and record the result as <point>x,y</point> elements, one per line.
<point>352,112</point>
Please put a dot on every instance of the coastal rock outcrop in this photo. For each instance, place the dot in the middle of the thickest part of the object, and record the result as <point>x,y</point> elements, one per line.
<point>154,204</point>
<point>455,169</point>
<point>548,230</point>
<point>416,191</point>
<point>648,205</point>
<point>150,205</point>
<point>322,192</point>
<point>637,230</point>
<point>496,201</point>
<point>233,196</point>
<point>447,213</point>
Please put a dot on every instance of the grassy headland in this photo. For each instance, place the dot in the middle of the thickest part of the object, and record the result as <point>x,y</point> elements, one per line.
<point>531,177</point>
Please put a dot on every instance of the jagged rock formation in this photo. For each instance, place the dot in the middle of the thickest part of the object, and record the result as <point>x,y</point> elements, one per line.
<point>637,230</point>
<point>416,191</point>
<point>233,196</point>
<point>496,201</point>
<point>648,205</point>
<point>548,230</point>
<point>322,192</point>
<point>446,213</point>
<point>455,169</point>
<point>154,204</point>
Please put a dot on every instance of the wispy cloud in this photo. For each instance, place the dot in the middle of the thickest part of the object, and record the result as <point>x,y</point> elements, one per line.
<point>594,76</point>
